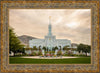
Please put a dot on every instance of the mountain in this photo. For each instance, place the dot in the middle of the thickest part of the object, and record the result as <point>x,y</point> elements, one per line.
<point>25,39</point>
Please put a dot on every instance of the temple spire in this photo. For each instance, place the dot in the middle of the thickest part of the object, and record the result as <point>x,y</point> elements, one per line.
<point>49,28</point>
<point>49,20</point>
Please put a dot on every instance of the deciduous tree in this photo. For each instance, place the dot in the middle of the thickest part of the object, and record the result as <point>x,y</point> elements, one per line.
<point>84,48</point>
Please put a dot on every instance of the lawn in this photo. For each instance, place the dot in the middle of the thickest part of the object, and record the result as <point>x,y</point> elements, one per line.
<point>19,60</point>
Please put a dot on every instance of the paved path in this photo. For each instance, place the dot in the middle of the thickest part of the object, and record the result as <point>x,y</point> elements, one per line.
<point>37,57</point>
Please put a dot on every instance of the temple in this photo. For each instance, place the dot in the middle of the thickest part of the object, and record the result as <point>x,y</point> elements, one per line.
<point>49,41</point>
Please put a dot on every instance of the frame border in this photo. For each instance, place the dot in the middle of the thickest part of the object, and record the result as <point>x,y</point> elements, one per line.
<point>36,8</point>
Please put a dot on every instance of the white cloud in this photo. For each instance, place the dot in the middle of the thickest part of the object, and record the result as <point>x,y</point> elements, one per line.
<point>73,24</point>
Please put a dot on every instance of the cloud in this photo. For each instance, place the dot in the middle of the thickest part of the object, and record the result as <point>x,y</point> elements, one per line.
<point>73,24</point>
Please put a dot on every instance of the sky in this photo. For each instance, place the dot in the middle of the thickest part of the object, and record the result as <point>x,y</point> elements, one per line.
<point>71,24</point>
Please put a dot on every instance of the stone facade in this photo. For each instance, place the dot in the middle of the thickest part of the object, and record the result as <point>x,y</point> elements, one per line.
<point>49,41</point>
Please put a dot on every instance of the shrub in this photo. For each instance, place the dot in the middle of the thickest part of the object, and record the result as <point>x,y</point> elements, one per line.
<point>59,53</point>
<point>55,55</point>
<point>39,53</point>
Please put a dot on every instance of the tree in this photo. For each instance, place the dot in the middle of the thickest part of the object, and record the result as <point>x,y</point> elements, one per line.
<point>60,47</point>
<point>87,49</point>
<point>56,48</point>
<point>14,43</point>
<point>66,48</point>
<point>39,48</point>
<point>44,47</point>
<point>34,48</point>
<point>84,48</point>
<point>21,49</point>
<point>80,47</point>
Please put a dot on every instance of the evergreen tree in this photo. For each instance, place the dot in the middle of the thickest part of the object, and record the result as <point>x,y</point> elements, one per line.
<point>14,43</point>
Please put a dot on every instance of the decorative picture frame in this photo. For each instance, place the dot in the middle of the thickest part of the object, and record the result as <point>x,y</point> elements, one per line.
<point>68,4</point>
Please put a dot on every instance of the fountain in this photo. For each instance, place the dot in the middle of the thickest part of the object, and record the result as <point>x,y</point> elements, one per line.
<point>42,52</point>
<point>49,53</point>
<point>56,52</point>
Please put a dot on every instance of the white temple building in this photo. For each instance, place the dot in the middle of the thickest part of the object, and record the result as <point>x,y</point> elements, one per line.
<point>49,41</point>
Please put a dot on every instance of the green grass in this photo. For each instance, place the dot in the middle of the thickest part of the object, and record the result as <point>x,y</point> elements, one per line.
<point>19,60</point>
